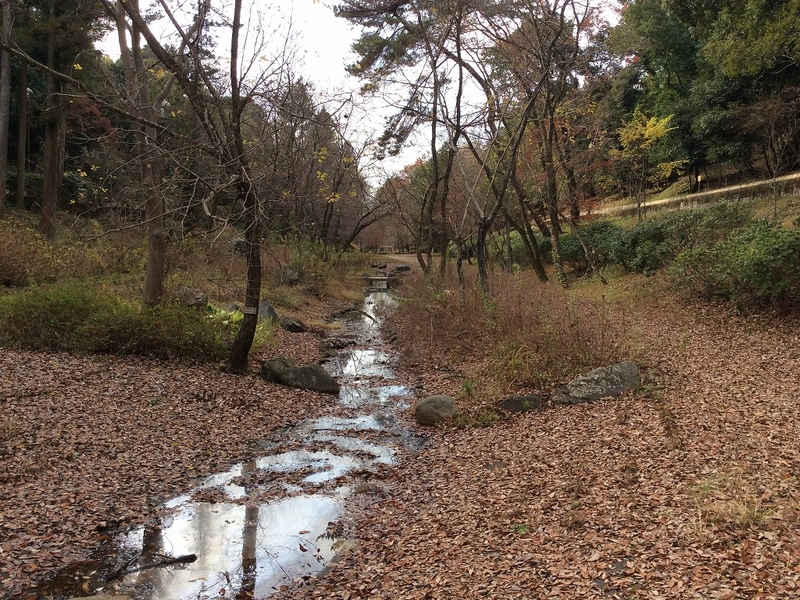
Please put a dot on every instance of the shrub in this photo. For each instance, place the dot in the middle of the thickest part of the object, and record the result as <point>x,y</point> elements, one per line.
<point>524,334</point>
<point>26,257</point>
<point>755,266</point>
<point>80,317</point>
<point>603,239</point>
<point>651,245</point>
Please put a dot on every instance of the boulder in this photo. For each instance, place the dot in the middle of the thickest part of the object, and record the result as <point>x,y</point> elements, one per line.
<point>435,409</point>
<point>599,383</point>
<point>265,311</point>
<point>290,275</point>
<point>523,403</point>
<point>337,343</point>
<point>311,376</point>
<point>104,597</point>
<point>292,325</point>
<point>191,297</point>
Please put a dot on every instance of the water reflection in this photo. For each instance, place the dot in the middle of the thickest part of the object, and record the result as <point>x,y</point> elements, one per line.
<point>248,547</point>
<point>252,547</point>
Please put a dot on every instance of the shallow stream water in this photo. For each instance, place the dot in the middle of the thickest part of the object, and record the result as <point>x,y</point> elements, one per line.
<point>275,520</point>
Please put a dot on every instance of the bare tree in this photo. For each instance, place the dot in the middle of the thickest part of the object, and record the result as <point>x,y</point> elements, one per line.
<point>221,111</point>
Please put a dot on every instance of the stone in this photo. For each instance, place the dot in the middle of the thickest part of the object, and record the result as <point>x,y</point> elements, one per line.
<point>265,311</point>
<point>599,383</point>
<point>523,403</point>
<point>105,597</point>
<point>435,409</point>
<point>290,275</point>
<point>337,343</point>
<point>191,297</point>
<point>292,325</point>
<point>312,376</point>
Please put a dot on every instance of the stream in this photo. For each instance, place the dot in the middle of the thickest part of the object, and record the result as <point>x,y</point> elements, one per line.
<point>275,520</point>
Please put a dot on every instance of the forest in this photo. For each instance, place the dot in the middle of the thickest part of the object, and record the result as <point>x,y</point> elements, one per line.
<point>156,202</point>
<point>526,114</point>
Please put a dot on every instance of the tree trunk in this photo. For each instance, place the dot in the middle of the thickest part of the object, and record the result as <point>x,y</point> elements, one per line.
<point>52,174</point>
<point>22,135</point>
<point>5,96</point>
<point>244,337</point>
<point>247,330</point>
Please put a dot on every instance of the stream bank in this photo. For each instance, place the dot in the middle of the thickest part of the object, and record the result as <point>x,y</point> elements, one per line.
<point>275,520</point>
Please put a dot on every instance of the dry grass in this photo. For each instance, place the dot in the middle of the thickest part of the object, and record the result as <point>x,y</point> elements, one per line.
<point>527,334</point>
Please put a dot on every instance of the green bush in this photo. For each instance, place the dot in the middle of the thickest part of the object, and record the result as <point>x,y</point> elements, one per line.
<point>603,239</point>
<point>755,266</point>
<point>651,245</point>
<point>80,317</point>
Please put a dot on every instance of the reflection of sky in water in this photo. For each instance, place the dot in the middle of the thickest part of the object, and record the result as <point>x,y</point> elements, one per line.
<point>327,465</point>
<point>225,536</point>
<point>362,423</point>
<point>382,454</point>
<point>357,395</point>
<point>367,363</point>
<point>375,305</point>
<point>280,540</point>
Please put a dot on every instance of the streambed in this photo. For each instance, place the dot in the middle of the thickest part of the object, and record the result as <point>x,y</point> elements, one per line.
<point>275,520</point>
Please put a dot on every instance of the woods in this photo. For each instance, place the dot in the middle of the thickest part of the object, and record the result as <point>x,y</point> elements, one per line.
<point>529,112</point>
<point>190,206</point>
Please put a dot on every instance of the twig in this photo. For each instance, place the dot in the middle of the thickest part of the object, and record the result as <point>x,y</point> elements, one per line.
<point>168,560</point>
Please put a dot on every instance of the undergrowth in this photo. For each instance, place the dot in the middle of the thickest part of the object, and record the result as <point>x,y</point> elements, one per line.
<point>83,317</point>
<point>523,334</point>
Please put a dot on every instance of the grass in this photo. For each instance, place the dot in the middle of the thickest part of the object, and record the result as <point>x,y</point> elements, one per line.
<point>528,334</point>
<point>725,501</point>
<point>83,292</point>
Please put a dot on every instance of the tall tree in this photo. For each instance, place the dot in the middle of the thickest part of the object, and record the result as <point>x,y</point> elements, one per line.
<point>5,95</point>
<point>219,104</point>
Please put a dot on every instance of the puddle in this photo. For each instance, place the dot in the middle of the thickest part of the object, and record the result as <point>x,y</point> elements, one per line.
<point>272,521</point>
<point>239,549</point>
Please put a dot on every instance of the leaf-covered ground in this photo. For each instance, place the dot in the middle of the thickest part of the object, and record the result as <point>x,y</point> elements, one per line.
<point>689,489</point>
<point>92,443</point>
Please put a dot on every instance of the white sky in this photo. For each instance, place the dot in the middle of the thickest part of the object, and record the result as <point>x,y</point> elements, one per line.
<point>322,43</point>
<point>323,39</point>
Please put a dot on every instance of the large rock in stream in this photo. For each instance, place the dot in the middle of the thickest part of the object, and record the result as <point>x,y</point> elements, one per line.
<point>311,376</point>
<point>599,383</point>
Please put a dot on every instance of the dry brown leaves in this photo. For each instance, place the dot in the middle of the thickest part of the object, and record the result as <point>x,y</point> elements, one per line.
<point>89,443</point>
<point>687,490</point>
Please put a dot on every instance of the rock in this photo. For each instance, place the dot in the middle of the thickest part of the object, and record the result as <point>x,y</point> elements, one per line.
<point>289,275</point>
<point>402,268</point>
<point>311,290</point>
<point>239,244</point>
<point>233,307</point>
<point>312,377</point>
<point>265,311</point>
<point>292,325</point>
<point>191,297</point>
<point>105,597</point>
<point>599,383</point>
<point>337,343</point>
<point>522,403</point>
<point>435,409</point>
